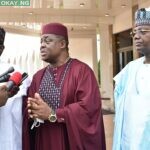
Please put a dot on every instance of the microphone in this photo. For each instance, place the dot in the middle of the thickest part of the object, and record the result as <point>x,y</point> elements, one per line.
<point>4,78</point>
<point>10,70</point>
<point>14,80</point>
<point>24,76</point>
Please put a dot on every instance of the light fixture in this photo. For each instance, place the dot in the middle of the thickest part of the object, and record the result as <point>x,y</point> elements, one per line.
<point>82,4</point>
<point>30,13</point>
<point>118,42</point>
<point>24,25</point>
<point>123,5</point>
<point>84,27</point>
<point>106,15</point>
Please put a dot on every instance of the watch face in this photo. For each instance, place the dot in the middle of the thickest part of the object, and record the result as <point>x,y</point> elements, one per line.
<point>53,118</point>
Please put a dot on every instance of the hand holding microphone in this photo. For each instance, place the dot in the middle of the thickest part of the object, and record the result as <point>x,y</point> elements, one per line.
<point>14,82</point>
<point>3,95</point>
<point>12,86</point>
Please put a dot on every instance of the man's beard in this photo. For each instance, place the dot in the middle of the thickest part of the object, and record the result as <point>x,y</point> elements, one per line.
<point>144,51</point>
<point>51,59</point>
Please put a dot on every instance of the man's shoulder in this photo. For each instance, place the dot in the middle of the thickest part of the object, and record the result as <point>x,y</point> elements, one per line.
<point>79,64</point>
<point>39,72</point>
<point>134,64</point>
<point>136,61</point>
<point>130,68</point>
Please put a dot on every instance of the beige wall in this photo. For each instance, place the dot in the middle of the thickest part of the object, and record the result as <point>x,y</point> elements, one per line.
<point>82,49</point>
<point>144,4</point>
<point>123,21</point>
<point>82,45</point>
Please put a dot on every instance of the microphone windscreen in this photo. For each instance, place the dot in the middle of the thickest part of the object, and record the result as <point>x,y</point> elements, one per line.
<point>16,78</point>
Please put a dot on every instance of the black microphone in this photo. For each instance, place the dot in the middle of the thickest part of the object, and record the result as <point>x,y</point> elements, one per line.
<point>24,76</point>
<point>10,70</point>
<point>4,78</point>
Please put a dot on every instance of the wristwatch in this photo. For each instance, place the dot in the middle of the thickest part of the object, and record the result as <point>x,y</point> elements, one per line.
<point>52,117</point>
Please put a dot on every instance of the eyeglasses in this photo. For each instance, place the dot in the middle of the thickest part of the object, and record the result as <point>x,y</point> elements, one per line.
<point>140,32</point>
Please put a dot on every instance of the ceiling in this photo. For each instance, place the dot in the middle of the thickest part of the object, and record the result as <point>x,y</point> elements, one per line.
<point>75,14</point>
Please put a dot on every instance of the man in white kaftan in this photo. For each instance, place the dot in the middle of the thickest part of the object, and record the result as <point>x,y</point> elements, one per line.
<point>132,93</point>
<point>11,112</point>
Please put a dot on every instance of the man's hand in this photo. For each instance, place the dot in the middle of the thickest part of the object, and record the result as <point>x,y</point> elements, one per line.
<point>3,95</point>
<point>37,108</point>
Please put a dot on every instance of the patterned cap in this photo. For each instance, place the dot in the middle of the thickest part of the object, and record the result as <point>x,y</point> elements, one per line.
<point>142,17</point>
<point>2,36</point>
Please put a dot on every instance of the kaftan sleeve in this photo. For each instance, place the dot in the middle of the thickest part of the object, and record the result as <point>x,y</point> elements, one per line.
<point>120,81</point>
<point>83,118</point>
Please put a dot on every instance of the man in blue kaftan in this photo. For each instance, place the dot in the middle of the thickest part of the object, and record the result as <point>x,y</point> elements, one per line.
<point>132,93</point>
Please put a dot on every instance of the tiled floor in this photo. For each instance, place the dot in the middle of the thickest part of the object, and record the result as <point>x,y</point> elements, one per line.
<point>109,126</point>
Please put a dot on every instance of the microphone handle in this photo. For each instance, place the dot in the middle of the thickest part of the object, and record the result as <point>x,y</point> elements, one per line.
<point>10,85</point>
<point>10,70</point>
